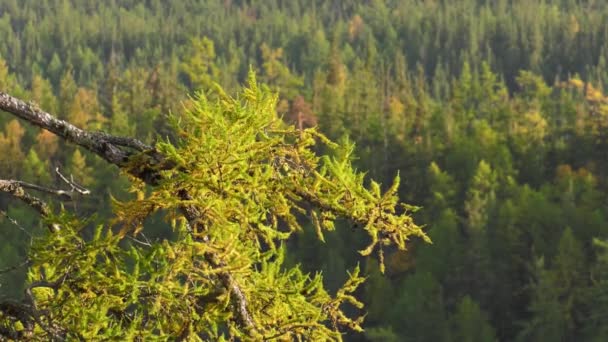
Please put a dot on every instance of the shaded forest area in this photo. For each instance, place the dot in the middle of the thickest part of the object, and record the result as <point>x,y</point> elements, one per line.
<point>493,112</point>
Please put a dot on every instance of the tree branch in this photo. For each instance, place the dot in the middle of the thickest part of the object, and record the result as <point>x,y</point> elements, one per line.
<point>104,145</point>
<point>19,312</point>
<point>26,262</point>
<point>15,223</point>
<point>52,330</point>
<point>16,189</point>
<point>110,148</point>
<point>75,187</point>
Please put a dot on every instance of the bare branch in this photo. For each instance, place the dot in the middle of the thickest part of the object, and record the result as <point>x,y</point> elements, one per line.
<point>124,141</point>
<point>61,194</point>
<point>16,224</point>
<point>44,283</point>
<point>26,262</point>
<point>16,189</point>
<point>102,144</point>
<point>143,243</point>
<point>75,187</point>
<point>18,311</point>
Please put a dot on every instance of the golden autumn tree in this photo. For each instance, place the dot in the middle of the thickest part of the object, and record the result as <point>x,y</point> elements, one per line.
<point>11,155</point>
<point>234,187</point>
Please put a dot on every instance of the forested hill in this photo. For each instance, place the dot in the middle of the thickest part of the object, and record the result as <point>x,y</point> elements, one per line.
<point>493,112</point>
<point>555,38</point>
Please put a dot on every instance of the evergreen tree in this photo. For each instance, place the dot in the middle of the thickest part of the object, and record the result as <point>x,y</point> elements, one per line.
<point>556,293</point>
<point>200,68</point>
<point>418,310</point>
<point>470,324</point>
<point>595,328</point>
<point>35,170</point>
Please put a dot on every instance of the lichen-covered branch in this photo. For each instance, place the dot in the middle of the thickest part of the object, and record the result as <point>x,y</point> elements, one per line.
<point>17,190</point>
<point>108,147</point>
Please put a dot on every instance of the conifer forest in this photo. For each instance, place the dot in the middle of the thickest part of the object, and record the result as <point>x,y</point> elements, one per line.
<point>304,170</point>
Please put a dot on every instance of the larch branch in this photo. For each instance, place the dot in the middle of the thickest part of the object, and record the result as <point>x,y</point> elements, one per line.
<point>111,149</point>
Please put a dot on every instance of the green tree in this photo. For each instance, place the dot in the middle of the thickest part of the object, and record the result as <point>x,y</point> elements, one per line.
<point>418,312</point>
<point>479,206</point>
<point>557,293</point>
<point>34,169</point>
<point>443,190</point>
<point>445,259</point>
<point>84,110</point>
<point>200,66</point>
<point>548,321</point>
<point>77,167</point>
<point>7,81</point>
<point>277,74</point>
<point>380,294</point>
<point>42,93</point>
<point>470,324</point>
<point>595,328</point>
<point>480,197</point>
<point>67,92</point>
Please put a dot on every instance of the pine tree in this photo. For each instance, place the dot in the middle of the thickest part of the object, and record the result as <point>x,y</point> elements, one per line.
<point>77,167</point>
<point>67,91</point>
<point>470,324</point>
<point>557,293</point>
<point>595,324</point>
<point>35,170</point>
<point>46,145</point>
<point>277,74</point>
<point>548,322</point>
<point>42,93</point>
<point>418,310</point>
<point>7,81</point>
<point>84,110</point>
<point>480,197</point>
